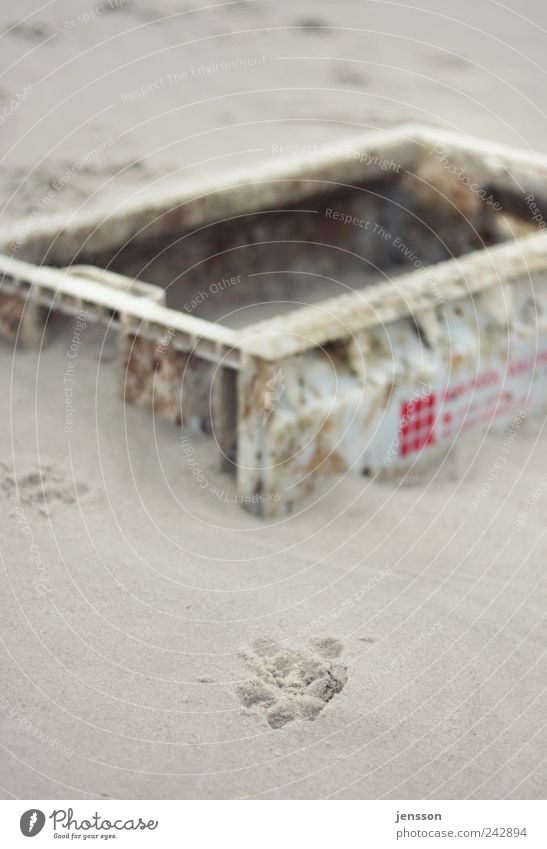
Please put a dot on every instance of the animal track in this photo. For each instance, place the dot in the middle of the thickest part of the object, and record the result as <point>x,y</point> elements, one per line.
<point>291,684</point>
<point>313,25</point>
<point>40,485</point>
<point>351,76</point>
<point>31,31</point>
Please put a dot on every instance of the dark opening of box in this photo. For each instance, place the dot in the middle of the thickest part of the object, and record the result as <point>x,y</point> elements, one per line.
<point>256,265</point>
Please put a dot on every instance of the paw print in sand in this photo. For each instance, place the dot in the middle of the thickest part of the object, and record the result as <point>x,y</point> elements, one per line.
<point>291,684</point>
<point>39,485</point>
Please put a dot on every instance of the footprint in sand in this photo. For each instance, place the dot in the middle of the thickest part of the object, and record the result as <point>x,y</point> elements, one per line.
<point>30,30</point>
<point>39,485</point>
<point>290,684</point>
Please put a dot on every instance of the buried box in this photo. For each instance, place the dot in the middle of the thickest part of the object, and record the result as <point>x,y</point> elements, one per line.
<point>353,310</point>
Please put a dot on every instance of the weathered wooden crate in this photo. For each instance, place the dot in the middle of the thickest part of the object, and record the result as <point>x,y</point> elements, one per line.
<point>354,309</point>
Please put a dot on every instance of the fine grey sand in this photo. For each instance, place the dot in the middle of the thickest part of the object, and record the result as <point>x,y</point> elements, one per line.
<point>388,639</point>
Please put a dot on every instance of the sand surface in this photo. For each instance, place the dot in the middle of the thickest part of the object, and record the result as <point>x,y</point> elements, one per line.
<point>388,640</point>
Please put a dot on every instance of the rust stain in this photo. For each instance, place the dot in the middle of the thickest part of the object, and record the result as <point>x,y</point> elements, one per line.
<point>153,377</point>
<point>12,310</point>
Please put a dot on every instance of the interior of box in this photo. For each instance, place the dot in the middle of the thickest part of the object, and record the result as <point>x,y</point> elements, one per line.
<point>254,266</point>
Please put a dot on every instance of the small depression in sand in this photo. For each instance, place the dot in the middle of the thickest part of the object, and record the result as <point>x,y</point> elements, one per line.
<point>39,485</point>
<point>291,684</point>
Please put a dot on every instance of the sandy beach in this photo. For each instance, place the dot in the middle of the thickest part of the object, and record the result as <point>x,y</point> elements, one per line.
<point>388,639</point>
